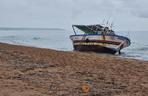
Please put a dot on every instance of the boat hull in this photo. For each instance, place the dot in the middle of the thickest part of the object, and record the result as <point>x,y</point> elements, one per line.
<point>98,43</point>
<point>94,48</point>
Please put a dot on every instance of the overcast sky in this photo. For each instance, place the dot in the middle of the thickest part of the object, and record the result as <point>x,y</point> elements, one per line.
<point>125,14</point>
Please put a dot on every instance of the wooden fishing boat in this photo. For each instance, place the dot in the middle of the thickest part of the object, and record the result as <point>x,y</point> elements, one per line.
<point>98,38</point>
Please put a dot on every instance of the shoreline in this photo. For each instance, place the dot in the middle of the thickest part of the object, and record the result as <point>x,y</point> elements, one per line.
<point>26,71</point>
<point>122,55</point>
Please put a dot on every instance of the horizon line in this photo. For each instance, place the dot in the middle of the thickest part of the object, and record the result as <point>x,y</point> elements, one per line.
<point>28,28</point>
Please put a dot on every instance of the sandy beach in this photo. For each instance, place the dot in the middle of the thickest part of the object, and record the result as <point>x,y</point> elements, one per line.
<point>28,71</point>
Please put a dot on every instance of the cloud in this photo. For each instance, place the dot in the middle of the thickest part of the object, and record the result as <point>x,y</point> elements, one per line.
<point>137,7</point>
<point>64,13</point>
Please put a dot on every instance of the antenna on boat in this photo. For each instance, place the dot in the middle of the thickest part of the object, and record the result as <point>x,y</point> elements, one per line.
<point>107,23</point>
<point>111,25</point>
<point>103,21</point>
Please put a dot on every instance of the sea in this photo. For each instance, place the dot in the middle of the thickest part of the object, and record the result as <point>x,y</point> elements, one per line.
<point>58,39</point>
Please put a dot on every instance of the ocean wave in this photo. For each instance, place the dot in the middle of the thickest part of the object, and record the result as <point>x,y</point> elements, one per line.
<point>36,38</point>
<point>9,37</point>
<point>145,48</point>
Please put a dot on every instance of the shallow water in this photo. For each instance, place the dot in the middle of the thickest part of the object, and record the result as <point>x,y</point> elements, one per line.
<point>139,45</point>
<point>59,40</point>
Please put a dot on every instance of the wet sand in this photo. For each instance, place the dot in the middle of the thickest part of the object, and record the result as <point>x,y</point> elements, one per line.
<point>28,71</point>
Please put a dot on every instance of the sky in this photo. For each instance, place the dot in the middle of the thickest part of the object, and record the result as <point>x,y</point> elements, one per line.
<point>130,15</point>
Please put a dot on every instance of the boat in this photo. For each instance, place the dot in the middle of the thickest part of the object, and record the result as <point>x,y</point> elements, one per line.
<point>98,38</point>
